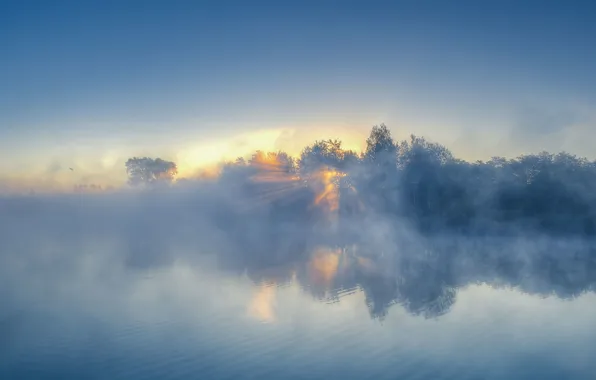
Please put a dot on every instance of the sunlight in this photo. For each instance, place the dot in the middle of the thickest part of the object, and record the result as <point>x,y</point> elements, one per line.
<point>328,189</point>
<point>274,179</point>
<point>271,168</point>
<point>323,266</point>
<point>192,158</point>
<point>261,306</point>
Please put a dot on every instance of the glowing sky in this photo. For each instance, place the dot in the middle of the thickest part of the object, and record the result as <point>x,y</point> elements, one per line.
<point>87,84</point>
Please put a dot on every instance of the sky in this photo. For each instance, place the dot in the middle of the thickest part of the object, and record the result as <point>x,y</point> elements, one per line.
<point>87,84</point>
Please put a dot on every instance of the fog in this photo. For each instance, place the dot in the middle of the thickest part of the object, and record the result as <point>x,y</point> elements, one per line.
<point>404,223</point>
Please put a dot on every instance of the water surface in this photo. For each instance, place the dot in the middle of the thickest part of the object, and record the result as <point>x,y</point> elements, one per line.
<point>88,309</point>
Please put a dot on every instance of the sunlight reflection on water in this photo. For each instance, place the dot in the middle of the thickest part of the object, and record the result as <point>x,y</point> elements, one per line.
<point>187,320</point>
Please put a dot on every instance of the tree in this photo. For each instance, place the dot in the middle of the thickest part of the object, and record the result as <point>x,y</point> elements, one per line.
<point>150,171</point>
<point>380,147</point>
<point>278,162</point>
<point>378,182</point>
<point>324,154</point>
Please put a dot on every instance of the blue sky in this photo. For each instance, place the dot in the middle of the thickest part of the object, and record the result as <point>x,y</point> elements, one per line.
<point>87,84</point>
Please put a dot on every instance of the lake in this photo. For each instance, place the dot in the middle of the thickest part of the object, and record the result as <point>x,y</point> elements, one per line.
<point>83,309</point>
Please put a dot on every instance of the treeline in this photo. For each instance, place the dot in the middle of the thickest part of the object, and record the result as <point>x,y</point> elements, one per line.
<point>422,183</point>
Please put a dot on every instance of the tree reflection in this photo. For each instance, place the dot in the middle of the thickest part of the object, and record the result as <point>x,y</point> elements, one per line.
<point>405,222</point>
<point>424,281</point>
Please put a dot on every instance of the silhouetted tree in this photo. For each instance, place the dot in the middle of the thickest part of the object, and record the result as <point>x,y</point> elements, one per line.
<point>418,181</point>
<point>380,147</point>
<point>324,154</point>
<point>149,171</point>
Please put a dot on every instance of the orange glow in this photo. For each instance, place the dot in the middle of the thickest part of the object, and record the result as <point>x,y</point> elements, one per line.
<point>262,305</point>
<point>271,168</point>
<point>168,174</point>
<point>328,196</point>
<point>194,153</point>
<point>323,266</point>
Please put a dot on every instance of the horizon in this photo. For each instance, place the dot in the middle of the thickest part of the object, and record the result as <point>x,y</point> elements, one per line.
<point>87,85</point>
<point>194,164</point>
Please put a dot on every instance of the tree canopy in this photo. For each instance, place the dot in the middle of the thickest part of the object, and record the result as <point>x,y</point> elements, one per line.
<point>418,181</point>
<point>150,171</point>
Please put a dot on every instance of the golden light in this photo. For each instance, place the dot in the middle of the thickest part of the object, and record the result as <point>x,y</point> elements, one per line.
<point>271,168</point>
<point>329,195</point>
<point>191,159</point>
<point>262,305</point>
<point>273,179</point>
<point>323,266</point>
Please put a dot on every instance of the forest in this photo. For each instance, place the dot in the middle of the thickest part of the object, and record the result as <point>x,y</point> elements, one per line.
<point>417,181</point>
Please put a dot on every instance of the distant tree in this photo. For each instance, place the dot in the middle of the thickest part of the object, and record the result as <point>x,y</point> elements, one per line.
<point>380,147</point>
<point>85,188</point>
<point>150,171</point>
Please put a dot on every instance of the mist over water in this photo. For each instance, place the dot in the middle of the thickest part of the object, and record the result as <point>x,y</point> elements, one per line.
<point>400,262</point>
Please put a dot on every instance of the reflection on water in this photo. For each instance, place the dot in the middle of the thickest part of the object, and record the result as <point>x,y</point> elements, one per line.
<point>399,264</point>
<point>262,304</point>
<point>449,309</point>
<point>110,292</point>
